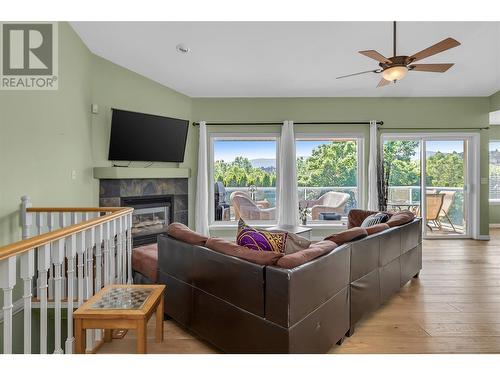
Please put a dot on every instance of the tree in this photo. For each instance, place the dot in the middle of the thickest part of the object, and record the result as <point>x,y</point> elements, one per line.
<point>445,170</point>
<point>333,164</point>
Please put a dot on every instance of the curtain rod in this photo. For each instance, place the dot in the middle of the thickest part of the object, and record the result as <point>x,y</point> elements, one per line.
<point>442,129</point>
<point>295,123</point>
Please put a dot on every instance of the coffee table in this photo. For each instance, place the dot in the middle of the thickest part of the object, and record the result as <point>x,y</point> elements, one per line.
<point>297,229</point>
<point>121,307</point>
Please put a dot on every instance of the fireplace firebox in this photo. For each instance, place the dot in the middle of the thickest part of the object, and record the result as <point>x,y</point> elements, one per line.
<point>152,215</point>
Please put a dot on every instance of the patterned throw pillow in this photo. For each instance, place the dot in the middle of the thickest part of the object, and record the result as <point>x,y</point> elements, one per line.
<point>374,219</point>
<point>260,240</point>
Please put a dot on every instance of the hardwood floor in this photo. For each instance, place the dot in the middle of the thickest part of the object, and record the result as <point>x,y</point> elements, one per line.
<point>454,307</point>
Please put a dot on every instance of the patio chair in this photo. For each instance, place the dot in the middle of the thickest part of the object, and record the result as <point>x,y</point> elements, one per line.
<point>247,209</point>
<point>433,208</point>
<point>449,197</point>
<point>331,201</point>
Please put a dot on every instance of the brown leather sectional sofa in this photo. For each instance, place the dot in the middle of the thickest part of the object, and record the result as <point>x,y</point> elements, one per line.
<point>241,307</point>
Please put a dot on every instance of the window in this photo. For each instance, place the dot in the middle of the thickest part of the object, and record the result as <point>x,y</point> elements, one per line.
<point>328,176</point>
<point>244,175</point>
<point>494,171</point>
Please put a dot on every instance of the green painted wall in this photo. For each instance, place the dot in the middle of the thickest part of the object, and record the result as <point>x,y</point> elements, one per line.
<point>45,135</point>
<point>495,102</point>
<point>117,87</point>
<point>494,133</point>
<point>398,115</point>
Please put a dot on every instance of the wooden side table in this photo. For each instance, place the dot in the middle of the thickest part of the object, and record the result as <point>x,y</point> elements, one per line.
<point>121,307</point>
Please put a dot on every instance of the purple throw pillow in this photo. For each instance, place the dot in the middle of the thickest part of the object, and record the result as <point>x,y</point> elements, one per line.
<point>260,240</point>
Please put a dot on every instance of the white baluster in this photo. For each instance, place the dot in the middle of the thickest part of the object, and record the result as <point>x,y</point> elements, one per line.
<point>80,251</point>
<point>119,250</point>
<point>63,222</point>
<point>7,283</point>
<point>43,261</point>
<point>112,252</point>
<point>98,267</point>
<point>106,254</point>
<point>129,249</point>
<point>123,219</point>
<point>50,227</point>
<point>27,271</point>
<point>70,255</point>
<point>57,255</point>
<point>39,222</point>
<point>89,278</point>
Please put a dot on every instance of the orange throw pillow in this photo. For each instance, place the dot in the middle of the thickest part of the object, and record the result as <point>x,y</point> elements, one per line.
<point>377,228</point>
<point>264,258</point>
<point>183,233</point>
<point>400,218</point>
<point>348,235</point>
<point>304,256</point>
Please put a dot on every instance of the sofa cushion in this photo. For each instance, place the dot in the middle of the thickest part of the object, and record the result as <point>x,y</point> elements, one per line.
<point>145,261</point>
<point>303,256</point>
<point>356,216</point>
<point>400,218</point>
<point>183,233</point>
<point>260,240</point>
<point>373,219</point>
<point>348,235</point>
<point>376,228</point>
<point>265,258</point>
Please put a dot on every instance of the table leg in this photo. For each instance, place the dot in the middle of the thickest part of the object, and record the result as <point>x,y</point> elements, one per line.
<point>108,335</point>
<point>142,336</point>
<point>159,321</point>
<point>80,337</point>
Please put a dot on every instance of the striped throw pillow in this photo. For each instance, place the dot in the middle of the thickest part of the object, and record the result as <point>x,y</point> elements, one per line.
<point>374,219</point>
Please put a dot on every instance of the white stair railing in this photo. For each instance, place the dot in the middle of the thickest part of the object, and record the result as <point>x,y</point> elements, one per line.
<point>68,245</point>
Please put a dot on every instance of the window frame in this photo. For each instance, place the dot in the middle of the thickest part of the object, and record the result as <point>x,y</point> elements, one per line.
<point>493,202</point>
<point>215,136</point>
<point>360,146</point>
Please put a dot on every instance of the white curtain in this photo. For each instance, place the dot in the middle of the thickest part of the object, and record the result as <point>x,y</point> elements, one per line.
<point>288,205</point>
<point>201,208</point>
<point>372,169</point>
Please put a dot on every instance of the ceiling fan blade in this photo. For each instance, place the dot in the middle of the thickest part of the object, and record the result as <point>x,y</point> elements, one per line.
<point>357,74</point>
<point>376,56</point>
<point>435,49</point>
<point>383,82</point>
<point>436,68</point>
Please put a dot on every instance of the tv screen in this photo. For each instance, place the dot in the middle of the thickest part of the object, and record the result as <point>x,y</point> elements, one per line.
<point>142,137</point>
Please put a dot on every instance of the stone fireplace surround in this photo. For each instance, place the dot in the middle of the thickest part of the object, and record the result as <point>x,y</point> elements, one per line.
<point>112,190</point>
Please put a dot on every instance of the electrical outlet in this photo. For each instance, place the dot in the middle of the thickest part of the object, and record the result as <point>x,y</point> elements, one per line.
<point>73,174</point>
<point>484,180</point>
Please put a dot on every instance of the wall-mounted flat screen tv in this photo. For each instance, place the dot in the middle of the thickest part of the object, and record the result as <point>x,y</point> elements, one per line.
<point>143,137</point>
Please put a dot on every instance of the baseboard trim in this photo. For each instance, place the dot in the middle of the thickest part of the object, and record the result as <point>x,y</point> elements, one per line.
<point>496,225</point>
<point>482,237</point>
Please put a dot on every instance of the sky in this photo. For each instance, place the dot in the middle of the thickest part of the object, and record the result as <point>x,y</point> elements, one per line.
<point>228,150</point>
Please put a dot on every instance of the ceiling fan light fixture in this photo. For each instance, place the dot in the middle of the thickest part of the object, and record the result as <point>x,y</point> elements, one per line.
<point>395,73</point>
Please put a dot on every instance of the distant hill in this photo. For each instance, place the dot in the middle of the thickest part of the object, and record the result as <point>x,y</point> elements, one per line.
<point>263,163</point>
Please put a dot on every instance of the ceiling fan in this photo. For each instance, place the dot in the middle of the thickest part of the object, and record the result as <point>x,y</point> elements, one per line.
<point>396,67</point>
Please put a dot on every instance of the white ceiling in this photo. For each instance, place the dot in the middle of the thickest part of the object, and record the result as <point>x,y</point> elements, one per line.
<point>297,59</point>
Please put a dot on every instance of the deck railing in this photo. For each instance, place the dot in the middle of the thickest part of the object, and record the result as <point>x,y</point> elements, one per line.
<point>66,256</point>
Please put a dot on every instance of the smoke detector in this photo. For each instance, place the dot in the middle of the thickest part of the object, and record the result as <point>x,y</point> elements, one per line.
<point>182,48</point>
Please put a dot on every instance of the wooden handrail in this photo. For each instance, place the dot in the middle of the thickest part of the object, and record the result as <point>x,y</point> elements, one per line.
<point>20,247</point>
<point>73,209</point>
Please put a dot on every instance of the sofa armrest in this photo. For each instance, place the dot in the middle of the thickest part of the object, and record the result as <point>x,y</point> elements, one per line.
<point>291,294</point>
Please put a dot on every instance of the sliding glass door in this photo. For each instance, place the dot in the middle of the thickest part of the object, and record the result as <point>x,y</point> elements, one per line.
<point>429,175</point>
